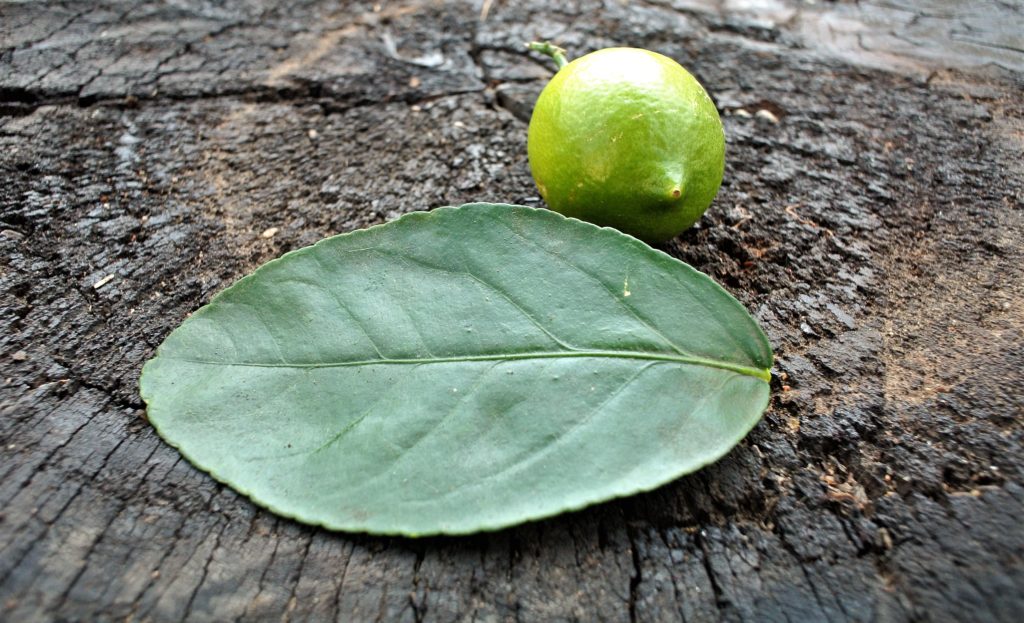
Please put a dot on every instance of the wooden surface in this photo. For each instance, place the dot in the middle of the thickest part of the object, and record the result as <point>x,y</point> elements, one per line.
<point>153,152</point>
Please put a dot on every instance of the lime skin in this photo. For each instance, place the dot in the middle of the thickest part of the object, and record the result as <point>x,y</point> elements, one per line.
<point>627,138</point>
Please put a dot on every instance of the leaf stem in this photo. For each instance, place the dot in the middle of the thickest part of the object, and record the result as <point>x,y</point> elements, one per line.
<point>556,53</point>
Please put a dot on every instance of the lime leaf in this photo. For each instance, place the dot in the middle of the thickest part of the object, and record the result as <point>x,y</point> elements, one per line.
<point>459,370</point>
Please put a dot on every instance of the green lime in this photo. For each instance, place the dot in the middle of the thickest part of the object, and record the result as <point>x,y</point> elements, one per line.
<point>629,139</point>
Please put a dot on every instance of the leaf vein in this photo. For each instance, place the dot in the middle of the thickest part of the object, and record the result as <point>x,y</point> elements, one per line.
<point>760,373</point>
<point>547,449</point>
<point>633,312</point>
<point>359,323</point>
<point>433,429</point>
<point>466,272</point>
<point>362,416</point>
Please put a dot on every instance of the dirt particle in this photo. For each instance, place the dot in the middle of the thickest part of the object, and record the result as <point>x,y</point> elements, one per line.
<point>885,537</point>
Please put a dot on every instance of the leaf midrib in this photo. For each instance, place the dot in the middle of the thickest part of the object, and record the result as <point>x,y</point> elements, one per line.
<point>759,373</point>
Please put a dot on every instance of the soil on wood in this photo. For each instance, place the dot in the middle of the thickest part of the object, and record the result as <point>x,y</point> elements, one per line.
<point>871,219</point>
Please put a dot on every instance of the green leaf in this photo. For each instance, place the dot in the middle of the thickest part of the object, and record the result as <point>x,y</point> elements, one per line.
<point>459,370</point>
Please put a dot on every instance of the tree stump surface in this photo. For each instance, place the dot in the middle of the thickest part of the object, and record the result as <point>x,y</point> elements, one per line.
<point>151,153</point>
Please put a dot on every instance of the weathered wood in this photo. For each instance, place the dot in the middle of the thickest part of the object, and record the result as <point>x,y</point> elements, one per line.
<point>152,153</point>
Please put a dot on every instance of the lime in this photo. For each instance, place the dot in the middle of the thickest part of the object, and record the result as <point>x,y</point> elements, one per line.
<point>626,138</point>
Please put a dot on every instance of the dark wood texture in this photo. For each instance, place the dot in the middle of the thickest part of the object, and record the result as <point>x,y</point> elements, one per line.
<point>153,152</point>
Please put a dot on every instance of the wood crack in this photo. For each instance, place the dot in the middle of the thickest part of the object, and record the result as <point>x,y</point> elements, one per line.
<point>190,603</point>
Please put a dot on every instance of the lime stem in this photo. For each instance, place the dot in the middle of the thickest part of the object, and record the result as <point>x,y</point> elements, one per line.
<point>556,53</point>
